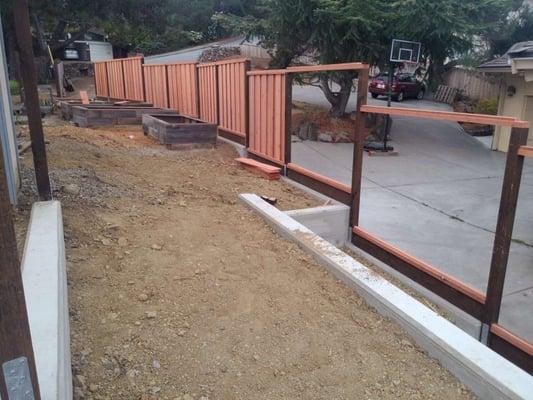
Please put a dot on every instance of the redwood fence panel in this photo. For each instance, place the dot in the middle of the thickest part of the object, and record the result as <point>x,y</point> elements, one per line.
<point>100,79</point>
<point>115,77</point>
<point>183,88</point>
<point>207,84</point>
<point>133,78</point>
<point>268,119</point>
<point>156,84</point>
<point>232,90</point>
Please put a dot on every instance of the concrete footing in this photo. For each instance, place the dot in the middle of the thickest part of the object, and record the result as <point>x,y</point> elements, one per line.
<point>45,286</point>
<point>485,372</point>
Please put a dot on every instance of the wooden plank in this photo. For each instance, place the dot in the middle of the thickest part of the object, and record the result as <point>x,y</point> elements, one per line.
<point>84,97</point>
<point>504,226</point>
<point>320,178</point>
<point>31,99</point>
<point>15,335</point>
<point>510,346</point>
<point>287,118</point>
<point>268,72</point>
<point>447,116</point>
<point>525,151</point>
<point>330,67</point>
<point>358,147</point>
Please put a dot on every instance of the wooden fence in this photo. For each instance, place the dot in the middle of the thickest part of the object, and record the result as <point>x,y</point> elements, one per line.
<point>254,108</point>
<point>133,79</point>
<point>473,84</point>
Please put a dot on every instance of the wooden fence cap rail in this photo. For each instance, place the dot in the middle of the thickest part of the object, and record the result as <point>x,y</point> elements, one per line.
<point>268,72</point>
<point>179,63</point>
<point>448,116</point>
<point>154,65</point>
<point>321,178</point>
<point>449,280</point>
<point>329,67</point>
<point>516,341</point>
<point>525,151</point>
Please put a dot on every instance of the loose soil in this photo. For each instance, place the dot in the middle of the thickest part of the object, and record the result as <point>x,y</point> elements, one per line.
<point>177,291</point>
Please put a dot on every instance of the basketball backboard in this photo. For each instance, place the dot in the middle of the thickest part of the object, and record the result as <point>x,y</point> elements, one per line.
<point>405,51</point>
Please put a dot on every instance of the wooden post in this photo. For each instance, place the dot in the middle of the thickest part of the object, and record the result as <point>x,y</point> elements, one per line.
<point>59,73</point>
<point>31,97</point>
<point>288,119</point>
<point>15,337</point>
<point>247,67</point>
<point>504,227</point>
<point>359,137</point>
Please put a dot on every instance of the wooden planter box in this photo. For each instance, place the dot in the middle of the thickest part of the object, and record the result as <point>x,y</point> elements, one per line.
<point>65,107</point>
<point>180,131</point>
<point>95,115</point>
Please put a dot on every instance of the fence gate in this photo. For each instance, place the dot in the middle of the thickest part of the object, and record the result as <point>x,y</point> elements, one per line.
<point>155,84</point>
<point>183,88</point>
<point>270,120</point>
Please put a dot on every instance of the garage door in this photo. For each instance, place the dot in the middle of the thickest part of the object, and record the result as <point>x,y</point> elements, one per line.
<point>528,116</point>
<point>100,51</point>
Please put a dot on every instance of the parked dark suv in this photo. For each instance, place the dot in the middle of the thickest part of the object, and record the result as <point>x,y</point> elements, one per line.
<point>403,86</point>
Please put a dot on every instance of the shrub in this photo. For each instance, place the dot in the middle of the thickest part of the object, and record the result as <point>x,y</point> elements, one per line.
<point>14,87</point>
<point>487,106</point>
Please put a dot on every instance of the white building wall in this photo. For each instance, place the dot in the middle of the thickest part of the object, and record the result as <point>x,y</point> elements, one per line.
<point>7,128</point>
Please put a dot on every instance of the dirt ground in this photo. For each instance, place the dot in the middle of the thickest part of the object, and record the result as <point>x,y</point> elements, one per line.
<point>177,291</point>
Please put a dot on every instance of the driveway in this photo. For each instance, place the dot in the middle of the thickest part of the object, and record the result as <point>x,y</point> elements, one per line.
<point>438,200</point>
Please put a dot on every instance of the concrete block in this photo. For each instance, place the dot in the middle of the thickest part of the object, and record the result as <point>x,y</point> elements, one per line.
<point>329,222</point>
<point>486,373</point>
<point>45,287</point>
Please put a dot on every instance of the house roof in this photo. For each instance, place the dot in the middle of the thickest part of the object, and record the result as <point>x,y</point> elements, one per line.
<point>504,63</point>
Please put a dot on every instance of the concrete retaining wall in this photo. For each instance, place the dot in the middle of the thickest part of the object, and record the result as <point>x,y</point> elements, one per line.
<point>45,287</point>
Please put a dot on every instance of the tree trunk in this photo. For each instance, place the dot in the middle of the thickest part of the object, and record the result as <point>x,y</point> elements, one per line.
<point>338,100</point>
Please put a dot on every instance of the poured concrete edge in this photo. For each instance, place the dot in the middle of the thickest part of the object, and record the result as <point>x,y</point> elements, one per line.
<point>486,373</point>
<point>45,288</point>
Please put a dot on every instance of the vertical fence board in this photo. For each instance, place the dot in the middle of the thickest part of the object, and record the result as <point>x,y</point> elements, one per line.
<point>267,110</point>
<point>155,81</point>
<point>133,78</point>
<point>100,79</point>
<point>207,82</point>
<point>182,88</point>
<point>115,76</point>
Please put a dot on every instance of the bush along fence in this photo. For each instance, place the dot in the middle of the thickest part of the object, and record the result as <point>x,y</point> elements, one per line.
<point>253,108</point>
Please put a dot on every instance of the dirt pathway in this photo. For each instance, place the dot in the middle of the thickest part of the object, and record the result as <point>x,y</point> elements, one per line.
<point>179,292</point>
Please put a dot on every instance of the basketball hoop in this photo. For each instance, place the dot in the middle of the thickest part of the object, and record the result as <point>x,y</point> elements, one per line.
<point>405,51</point>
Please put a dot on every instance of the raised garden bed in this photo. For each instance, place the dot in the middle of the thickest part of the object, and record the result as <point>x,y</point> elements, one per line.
<point>65,106</point>
<point>95,115</point>
<point>178,130</point>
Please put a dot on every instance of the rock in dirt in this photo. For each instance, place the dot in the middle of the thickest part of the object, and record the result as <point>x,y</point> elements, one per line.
<point>143,297</point>
<point>325,137</point>
<point>157,247</point>
<point>122,241</point>
<point>151,314</point>
<point>72,189</point>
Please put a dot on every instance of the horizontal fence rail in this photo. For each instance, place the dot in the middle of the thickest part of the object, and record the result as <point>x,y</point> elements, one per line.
<point>156,84</point>
<point>183,88</point>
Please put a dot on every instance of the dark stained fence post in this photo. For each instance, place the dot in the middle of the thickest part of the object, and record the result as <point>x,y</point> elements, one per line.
<point>247,67</point>
<point>504,227</point>
<point>288,118</point>
<point>15,337</point>
<point>359,137</point>
<point>31,97</point>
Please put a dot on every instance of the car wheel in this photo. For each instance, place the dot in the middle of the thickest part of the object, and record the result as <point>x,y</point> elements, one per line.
<point>374,95</point>
<point>420,95</point>
<point>399,97</point>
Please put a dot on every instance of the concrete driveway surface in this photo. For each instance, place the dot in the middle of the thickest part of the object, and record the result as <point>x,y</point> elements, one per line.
<point>438,200</point>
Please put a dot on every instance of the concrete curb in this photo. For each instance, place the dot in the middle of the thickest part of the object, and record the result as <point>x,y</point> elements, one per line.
<point>485,372</point>
<point>45,287</point>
